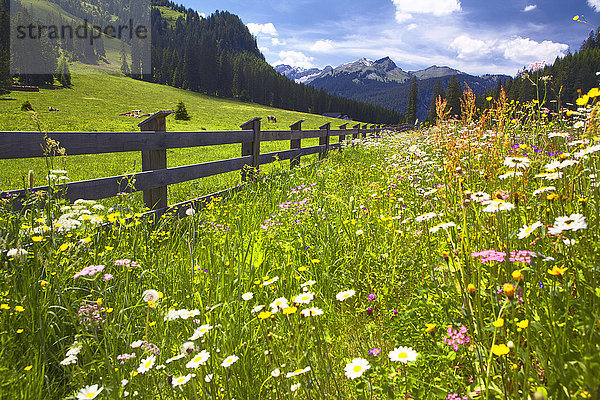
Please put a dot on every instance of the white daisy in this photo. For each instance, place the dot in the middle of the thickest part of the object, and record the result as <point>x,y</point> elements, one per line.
<point>544,190</point>
<point>525,231</point>
<point>275,373</point>
<point>229,360</point>
<point>279,303</point>
<point>574,222</point>
<point>517,162</point>
<point>426,217</point>
<point>146,364</point>
<point>552,166</point>
<point>493,206</point>
<point>311,312</point>
<point>480,197</point>
<point>181,380</point>
<point>297,372</point>
<point>177,357</point>
<point>270,281</point>
<point>356,368</point>
<point>89,392</point>
<point>150,295</point>
<point>304,298</point>
<point>137,344</point>
<point>442,226</point>
<point>199,359</point>
<point>295,387</point>
<point>510,174</point>
<point>341,296</point>
<point>257,309</point>
<point>308,283</point>
<point>200,331</point>
<point>403,354</point>
<point>247,296</point>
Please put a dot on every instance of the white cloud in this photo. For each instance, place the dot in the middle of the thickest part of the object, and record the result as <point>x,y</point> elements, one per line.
<point>406,8</point>
<point>525,50</point>
<point>322,46</point>
<point>411,27</point>
<point>530,7</point>
<point>202,15</point>
<point>295,59</point>
<point>267,29</point>
<point>276,42</point>
<point>470,48</point>
<point>595,4</point>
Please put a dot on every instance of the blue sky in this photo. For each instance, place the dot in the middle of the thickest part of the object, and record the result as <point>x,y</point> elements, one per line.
<point>474,36</point>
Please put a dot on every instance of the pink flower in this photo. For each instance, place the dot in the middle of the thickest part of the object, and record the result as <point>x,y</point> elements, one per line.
<point>89,271</point>
<point>107,277</point>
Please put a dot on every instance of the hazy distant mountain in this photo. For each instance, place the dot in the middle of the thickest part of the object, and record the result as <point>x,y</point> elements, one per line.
<point>382,82</point>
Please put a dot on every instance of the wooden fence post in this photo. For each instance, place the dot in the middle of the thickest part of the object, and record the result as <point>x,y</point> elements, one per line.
<point>355,135</point>
<point>343,137</point>
<point>155,159</point>
<point>252,148</point>
<point>296,143</point>
<point>324,140</point>
<point>365,127</point>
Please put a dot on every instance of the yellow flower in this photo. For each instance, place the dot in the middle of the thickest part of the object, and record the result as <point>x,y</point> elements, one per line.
<point>489,98</point>
<point>99,301</point>
<point>63,247</point>
<point>557,271</point>
<point>37,238</point>
<point>429,328</point>
<point>523,324</point>
<point>152,304</point>
<point>19,330</point>
<point>19,309</point>
<point>109,310</point>
<point>594,92</point>
<point>4,306</point>
<point>264,314</point>
<point>576,18</point>
<point>302,269</point>
<point>552,196</point>
<point>290,310</point>
<point>509,290</point>
<point>498,323</point>
<point>27,368</point>
<point>471,289</point>
<point>152,323</point>
<point>500,349</point>
<point>108,248</point>
<point>517,275</point>
<point>582,101</point>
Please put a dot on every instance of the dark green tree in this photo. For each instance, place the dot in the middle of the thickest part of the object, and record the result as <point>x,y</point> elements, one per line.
<point>411,108</point>
<point>63,74</point>
<point>181,113</point>
<point>438,91</point>
<point>453,96</point>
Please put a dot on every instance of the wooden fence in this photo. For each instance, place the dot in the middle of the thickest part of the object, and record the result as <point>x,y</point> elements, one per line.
<point>154,140</point>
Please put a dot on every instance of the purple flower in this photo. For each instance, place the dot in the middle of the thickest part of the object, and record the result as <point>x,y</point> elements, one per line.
<point>395,312</point>
<point>372,297</point>
<point>457,337</point>
<point>89,271</point>
<point>369,311</point>
<point>375,351</point>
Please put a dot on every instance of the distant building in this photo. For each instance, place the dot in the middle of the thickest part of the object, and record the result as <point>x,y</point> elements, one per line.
<point>338,116</point>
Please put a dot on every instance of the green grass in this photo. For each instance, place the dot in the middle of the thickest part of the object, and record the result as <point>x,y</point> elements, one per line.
<point>93,104</point>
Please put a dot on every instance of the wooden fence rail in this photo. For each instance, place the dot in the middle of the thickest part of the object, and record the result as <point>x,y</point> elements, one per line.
<point>154,140</point>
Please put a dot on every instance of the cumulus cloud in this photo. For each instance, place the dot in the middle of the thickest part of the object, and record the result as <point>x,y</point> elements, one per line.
<point>411,27</point>
<point>276,42</point>
<point>530,7</point>
<point>467,47</point>
<point>322,46</point>
<point>267,29</point>
<point>295,59</point>
<point>406,8</point>
<point>595,4</point>
<point>525,50</point>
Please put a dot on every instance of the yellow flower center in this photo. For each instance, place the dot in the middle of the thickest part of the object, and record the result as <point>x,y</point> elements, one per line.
<point>402,355</point>
<point>357,368</point>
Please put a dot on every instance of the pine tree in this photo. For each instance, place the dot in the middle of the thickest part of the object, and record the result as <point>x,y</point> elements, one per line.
<point>5,79</point>
<point>181,113</point>
<point>438,91</point>
<point>63,74</point>
<point>124,66</point>
<point>411,108</point>
<point>453,96</point>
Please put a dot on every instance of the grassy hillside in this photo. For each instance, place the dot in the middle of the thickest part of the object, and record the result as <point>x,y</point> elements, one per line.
<point>94,103</point>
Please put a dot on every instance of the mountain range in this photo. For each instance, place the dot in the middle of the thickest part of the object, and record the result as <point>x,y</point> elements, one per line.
<point>383,83</point>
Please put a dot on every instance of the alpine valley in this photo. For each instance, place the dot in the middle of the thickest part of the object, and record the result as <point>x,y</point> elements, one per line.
<point>383,83</point>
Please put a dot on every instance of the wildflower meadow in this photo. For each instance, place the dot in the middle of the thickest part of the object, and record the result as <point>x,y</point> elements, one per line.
<point>455,262</point>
